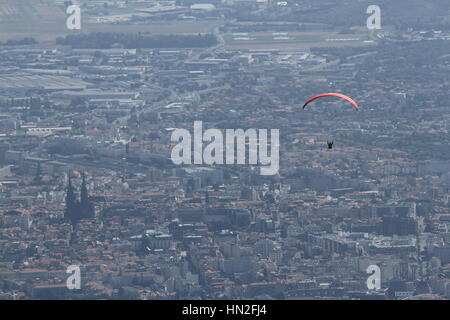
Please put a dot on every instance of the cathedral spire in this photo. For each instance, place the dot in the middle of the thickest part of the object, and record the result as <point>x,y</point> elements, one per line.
<point>87,208</point>
<point>70,212</point>
<point>84,198</point>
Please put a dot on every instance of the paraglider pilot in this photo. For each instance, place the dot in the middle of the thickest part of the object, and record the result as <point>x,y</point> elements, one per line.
<point>330,144</point>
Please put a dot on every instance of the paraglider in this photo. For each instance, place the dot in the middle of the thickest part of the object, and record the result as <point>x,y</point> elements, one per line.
<point>339,95</point>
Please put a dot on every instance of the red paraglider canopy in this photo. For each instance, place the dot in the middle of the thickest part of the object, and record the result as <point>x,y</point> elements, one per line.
<point>333,95</point>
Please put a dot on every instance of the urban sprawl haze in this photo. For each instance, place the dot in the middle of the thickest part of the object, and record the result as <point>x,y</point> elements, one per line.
<point>98,97</point>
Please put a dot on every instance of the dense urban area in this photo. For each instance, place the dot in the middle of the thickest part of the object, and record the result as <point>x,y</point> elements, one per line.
<point>86,175</point>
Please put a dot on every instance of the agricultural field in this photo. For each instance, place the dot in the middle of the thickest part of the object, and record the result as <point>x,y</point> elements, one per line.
<point>45,20</point>
<point>40,19</point>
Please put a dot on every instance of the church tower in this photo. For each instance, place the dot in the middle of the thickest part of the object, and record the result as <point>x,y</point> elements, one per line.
<point>71,204</point>
<point>86,207</point>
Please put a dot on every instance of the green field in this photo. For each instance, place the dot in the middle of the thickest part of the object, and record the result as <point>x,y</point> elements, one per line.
<point>45,21</point>
<point>30,18</point>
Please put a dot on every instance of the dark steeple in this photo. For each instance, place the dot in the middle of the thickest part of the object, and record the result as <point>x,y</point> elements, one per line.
<point>71,203</point>
<point>84,193</point>
<point>86,207</point>
<point>38,177</point>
